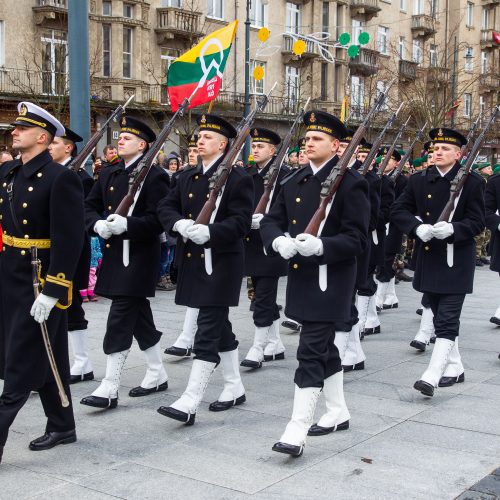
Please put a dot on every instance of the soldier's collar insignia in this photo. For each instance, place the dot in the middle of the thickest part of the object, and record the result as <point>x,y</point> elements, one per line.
<point>24,110</point>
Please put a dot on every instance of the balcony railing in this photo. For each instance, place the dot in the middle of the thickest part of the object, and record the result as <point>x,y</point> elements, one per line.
<point>487,39</point>
<point>59,4</point>
<point>423,25</point>
<point>235,101</point>
<point>289,40</point>
<point>24,82</point>
<point>408,69</point>
<point>50,11</point>
<point>175,22</point>
<point>438,74</point>
<point>365,63</point>
<point>367,7</point>
<point>490,81</point>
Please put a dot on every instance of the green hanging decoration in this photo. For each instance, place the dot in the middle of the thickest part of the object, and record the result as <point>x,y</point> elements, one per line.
<point>353,51</point>
<point>344,38</point>
<point>363,38</point>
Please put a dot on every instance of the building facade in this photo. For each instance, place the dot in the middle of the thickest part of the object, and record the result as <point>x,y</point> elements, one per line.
<point>444,56</point>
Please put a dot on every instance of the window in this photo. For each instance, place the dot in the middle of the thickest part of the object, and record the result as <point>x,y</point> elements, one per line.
<point>357,96</point>
<point>257,86</point>
<point>215,9</point>
<point>402,5</point>
<point>106,50</point>
<point>292,88</point>
<point>258,14</point>
<point>381,88</point>
<point>469,14</point>
<point>292,18</point>
<point>418,7</point>
<point>171,3</point>
<point>485,20</point>
<point>417,51</point>
<point>128,10</point>
<point>383,40</point>
<point>2,43</point>
<point>357,28</point>
<point>54,62</point>
<point>106,8</point>
<point>325,17</point>
<point>167,56</point>
<point>340,11</point>
<point>401,47</point>
<point>324,81</point>
<point>484,62</point>
<point>127,52</point>
<point>435,9</point>
<point>433,60</point>
<point>467,104</point>
<point>469,59</point>
<point>482,104</point>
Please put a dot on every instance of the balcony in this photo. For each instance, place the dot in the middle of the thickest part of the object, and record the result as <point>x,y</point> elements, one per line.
<point>173,23</point>
<point>438,75</point>
<point>287,48</point>
<point>50,11</point>
<point>489,82</point>
<point>15,81</point>
<point>332,107</point>
<point>407,70</point>
<point>491,2</point>
<point>422,25</point>
<point>365,63</point>
<point>368,8</point>
<point>487,41</point>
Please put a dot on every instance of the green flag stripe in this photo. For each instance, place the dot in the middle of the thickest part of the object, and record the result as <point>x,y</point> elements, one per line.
<point>181,73</point>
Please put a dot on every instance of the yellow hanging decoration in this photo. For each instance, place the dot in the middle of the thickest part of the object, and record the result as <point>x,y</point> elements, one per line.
<point>258,73</point>
<point>299,47</point>
<point>263,34</point>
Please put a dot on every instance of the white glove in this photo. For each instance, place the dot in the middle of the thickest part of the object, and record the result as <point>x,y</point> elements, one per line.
<point>442,230</point>
<point>181,226</point>
<point>424,232</point>
<point>499,227</point>
<point>285,247</point>
<point>198,233</point>
<point>308,245</point>
<point>102,229</point>
<point>256,218</point>
<point>117,224</point>
<point>41,308</point>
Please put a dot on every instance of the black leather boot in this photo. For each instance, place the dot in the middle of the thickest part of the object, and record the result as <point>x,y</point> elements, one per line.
<point>51,439</point>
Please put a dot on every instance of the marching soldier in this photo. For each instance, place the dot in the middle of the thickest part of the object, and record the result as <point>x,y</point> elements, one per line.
<point>211,264</point>
<point>129,266</point>
<point>347,335</point>
<point>193,150</point>
<point>293,158</point>
<point>386,290</point>
<point>264,270</point>
<point>445,250</point>
<point>343,238</point>
<point>303,160</point>
<point>62,150</point>
<point>41,205</point>
<point>492,205</point>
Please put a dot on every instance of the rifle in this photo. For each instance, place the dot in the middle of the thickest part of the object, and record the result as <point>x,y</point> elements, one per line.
<point>219,179</point>
<point>274,170</point>
<point>405,158</point>
<point>387,157</point>
<point>458,182</point>
<point>76,163</point>
<point>332,182</point>
<point>378,141</point>
<point>137,176</point>
<point>470,135</point>
<point>35,269</point>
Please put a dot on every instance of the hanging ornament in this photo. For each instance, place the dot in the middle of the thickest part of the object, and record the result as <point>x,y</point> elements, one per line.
<point>363,38</point>
<point>263,34</point>
<point>299,47</point>
<point>258,73</point>
<point>344,38</point>
<point>353,51</point>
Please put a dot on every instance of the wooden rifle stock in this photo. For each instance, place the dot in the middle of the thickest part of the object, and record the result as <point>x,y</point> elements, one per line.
<point>219,179</point>
<point>140,172</point>
<point>78,160</point>
<point>458,182</point>
<point>274,169</point>
<point>387,157</point>
<point>405,158</point>
<point>378,141</point>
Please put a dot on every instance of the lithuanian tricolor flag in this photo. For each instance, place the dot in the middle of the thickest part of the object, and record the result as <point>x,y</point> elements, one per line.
<point>200,69</point>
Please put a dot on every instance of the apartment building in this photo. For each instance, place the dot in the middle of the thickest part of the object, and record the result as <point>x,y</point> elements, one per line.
<point>440,52</point>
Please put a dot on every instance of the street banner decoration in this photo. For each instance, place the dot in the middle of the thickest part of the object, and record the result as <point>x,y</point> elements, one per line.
<point>453,109</point>
<point>344,110</point>
<point>198,72</point>
<point>496,37</point>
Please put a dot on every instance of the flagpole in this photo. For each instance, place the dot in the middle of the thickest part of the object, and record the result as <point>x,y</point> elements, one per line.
<point>246,109</point>
<point>454,81</point>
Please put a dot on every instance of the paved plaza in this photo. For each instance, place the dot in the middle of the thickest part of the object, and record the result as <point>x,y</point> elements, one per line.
<point>400,444</point>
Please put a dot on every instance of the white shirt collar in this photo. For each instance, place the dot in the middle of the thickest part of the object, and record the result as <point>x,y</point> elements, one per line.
<point>210,165</point>
<point>66,161</point>
<point>135,158</point>
<point>316,169</point>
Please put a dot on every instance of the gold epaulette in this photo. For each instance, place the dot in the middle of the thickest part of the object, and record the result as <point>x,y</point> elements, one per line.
<point>12,241</point>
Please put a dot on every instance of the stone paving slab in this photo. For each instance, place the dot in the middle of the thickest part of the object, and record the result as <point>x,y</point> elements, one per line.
<point>399,445</point>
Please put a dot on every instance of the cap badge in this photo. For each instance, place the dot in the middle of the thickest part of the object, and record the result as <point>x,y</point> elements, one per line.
<point>203,119</point>
<point>124,122</point>
<point>440,132</point>
<point>255,132</point>
<point>312,118</point>
<point>24,110</point>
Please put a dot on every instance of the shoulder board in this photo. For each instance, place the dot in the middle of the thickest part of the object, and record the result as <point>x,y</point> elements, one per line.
<point>291,175</point>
